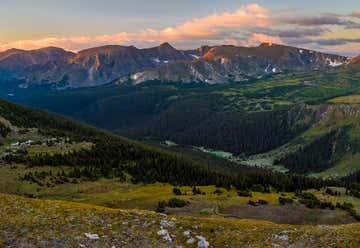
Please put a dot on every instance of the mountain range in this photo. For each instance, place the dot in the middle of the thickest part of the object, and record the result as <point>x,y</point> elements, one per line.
<point>130,65</point>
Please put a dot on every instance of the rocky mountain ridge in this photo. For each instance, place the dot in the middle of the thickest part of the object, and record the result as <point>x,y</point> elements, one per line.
<point>128,64</point>
<point>224,64</point>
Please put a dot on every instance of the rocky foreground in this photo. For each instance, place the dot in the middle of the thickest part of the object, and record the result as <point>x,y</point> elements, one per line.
<point>44,223</point>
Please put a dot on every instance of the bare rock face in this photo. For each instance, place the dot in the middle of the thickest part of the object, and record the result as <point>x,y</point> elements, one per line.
<point>100,65</point>
<point>224,64</point>
<point>128,64</point>
<point>355,61</point>
<point>15,60</point>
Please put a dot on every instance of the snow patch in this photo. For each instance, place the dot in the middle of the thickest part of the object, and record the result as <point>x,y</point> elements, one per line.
<point>334,63</point>
<point>136,76</point>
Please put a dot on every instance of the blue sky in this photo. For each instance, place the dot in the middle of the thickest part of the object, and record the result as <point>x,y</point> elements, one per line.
<point>76,24</point>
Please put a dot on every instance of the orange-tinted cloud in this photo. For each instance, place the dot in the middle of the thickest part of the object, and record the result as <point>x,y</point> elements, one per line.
<point>356,14</point>
<point>212,27</point>
<point>249,25</point>
<point>73,43</point>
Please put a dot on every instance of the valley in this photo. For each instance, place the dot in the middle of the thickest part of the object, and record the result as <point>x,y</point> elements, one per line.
<point>269,159</point>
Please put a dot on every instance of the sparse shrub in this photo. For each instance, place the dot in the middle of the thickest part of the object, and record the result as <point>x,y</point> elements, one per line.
<point>161,207</point>
<point>309,199</point>
<point>172,203</point>
<point>262,202</point>
<point>218,191</point>
<point>328,205</point>
<point>244,193</point>
<point>332,192</point>
<point>285,200</point>
<point>177,191</point>
<point>176,203</point>
<point>196,191</point>
<point>252,203</point>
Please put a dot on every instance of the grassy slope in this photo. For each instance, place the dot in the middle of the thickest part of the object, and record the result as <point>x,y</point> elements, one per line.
<point>44,223</point>
<point>112,193</point>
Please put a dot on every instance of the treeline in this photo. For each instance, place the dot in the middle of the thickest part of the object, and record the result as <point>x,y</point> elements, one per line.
<point>317,156</point>
<point>115,159</point>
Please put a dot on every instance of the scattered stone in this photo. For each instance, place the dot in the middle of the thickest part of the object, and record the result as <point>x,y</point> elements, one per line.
<point>187,233</point>
<point>165,223</point>
<point>92,236</point>
<point>191,241</point>
<point>202,242</point>
<point>165,235</point>
<point>282,236</point>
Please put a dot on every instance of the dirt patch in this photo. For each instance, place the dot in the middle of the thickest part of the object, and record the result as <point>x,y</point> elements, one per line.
<point>289,214</point>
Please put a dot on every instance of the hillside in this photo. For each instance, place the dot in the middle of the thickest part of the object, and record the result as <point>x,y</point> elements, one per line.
<point>32,223</point>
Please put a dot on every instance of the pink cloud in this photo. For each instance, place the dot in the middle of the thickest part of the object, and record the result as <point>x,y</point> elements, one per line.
<point>72,43</point>
<point>210,27</point>
<point>261,38</point>
<point>356,14</point>
<point>213,27</point>
<point>247,26</point>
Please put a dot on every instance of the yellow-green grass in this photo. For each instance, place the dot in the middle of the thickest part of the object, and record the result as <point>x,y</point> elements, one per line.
<point>113,193</point>
<point>11,181</point>
<point>352,99</point>
<point>58,148</point>
<point>337,199</point>
<point>45,223</point>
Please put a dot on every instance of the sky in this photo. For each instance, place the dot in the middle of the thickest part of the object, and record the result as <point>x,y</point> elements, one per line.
<point>325,25</point>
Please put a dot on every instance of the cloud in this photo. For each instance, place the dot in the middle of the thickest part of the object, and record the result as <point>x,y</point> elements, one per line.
<point>73,43</point>
<point>356,14</point>
<point>261,38</point>
<point>336,42</point>
<point>293,32</point>
<point>210,27</point>
<point>325,19</point>
<point>213,27</point>
<point>248,25</point>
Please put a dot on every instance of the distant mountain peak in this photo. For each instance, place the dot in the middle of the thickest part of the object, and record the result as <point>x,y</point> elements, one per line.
<point>267,44</point>
<point>166,45</point>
